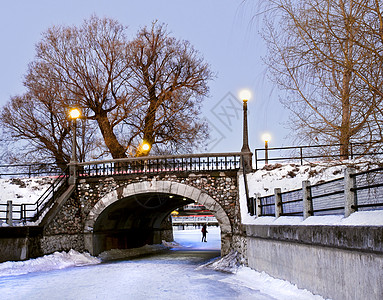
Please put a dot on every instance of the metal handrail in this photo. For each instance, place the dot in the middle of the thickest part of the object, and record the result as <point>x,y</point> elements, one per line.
<point>302,157</point>
<point>44,201</point>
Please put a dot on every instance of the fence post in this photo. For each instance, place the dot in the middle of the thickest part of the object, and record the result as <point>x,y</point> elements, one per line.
<point>258,209</point>
<point>350,197</point>
<point>301,153</point>
<point>251,207</point>
<point>9,213</point>
<point>307,200</point>
<point>278,202</point>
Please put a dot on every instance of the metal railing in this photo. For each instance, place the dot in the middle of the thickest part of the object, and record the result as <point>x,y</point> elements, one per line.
<point>161,164</point>
<point>29,170</point>
<point>368,189</point>
<point>302,154</point>
<point>326,198</point>
<point>32,211</point>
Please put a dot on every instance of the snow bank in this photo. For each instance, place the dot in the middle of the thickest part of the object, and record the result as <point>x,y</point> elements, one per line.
<point>24,190</point>
<point>247,277</point>
<point>228,263</point>
<point>277,288</point>
<point>57,260</point>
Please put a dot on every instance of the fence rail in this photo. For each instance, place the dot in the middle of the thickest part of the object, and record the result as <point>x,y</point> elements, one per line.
<point>353,192</point>
<point>159,164</point>
<point>29,170</point>
<point>24,212</point>
<point>302,154</point>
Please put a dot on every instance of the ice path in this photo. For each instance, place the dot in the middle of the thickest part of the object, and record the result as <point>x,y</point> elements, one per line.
<point>168,275</point>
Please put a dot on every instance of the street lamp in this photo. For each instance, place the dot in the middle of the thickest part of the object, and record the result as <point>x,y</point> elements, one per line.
<point>245,95</point>
<point>145,147</point>
<point>266,137</point>
<point>74,114</point>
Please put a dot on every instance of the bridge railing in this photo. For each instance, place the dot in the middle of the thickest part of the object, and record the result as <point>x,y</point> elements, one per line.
<point>303,154</point>
<point>326,198</point>
<point>161,164</point>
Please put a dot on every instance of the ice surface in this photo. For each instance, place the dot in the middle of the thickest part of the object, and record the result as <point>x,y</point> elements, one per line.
<point>174,274</point>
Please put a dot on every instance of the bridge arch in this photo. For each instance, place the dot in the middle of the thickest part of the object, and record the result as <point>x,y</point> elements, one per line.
<point>154,187</point>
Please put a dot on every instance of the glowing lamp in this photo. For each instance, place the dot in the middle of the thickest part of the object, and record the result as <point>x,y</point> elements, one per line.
<point>74,113</point>
<point>266,137</point>
<point>244,95</point>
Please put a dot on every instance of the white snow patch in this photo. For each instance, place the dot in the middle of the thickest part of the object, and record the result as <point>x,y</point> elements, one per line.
<point>228,263</point>
<point>247,277</point>
<point>57,260</point>
<point>24,190</point>
<point>277,288</point>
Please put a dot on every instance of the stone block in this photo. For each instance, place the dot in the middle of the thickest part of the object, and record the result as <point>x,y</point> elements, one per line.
<point>188,192</point>
<point>128,190</point>
<point>181,189</point>
<point>174,188</point>
<point>203,198</point>
<point>166,186</point>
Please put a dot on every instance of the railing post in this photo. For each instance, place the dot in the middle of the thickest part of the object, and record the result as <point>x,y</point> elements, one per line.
<point>72,173</point>
<point>258,208</point>
<point>350,197</point>
<point>9,213</point>
<point>307,199</point>
<point>351,151</point>
<point>301,152</point>
<point>278,202</point>
<point>256,159</point>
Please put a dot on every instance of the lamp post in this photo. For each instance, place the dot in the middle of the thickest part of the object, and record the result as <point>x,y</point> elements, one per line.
<point>247,155</point>
<point>266,137</point>
<point>74,114</point>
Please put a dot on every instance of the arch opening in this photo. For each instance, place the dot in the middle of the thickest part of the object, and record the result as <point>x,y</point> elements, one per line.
<point>131,218</point>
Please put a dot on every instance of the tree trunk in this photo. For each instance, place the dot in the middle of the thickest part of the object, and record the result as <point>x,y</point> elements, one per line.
<point>111,141</point>
<point>345,129</point>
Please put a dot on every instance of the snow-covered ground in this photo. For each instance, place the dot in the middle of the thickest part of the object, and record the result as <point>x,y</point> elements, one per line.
<point>23,190</point>
<point>289,177</point>
<point>185,272</point>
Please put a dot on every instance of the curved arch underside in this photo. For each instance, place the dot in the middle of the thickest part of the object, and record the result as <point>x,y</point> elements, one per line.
<point>136,214</point>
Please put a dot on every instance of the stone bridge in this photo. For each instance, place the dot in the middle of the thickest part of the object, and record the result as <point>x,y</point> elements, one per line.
<point>127,203</point>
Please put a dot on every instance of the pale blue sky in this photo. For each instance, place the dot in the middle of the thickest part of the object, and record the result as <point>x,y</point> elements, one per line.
<point>222,30</point>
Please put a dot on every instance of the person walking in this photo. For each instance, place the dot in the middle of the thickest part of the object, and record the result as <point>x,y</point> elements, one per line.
<point>204,231</point>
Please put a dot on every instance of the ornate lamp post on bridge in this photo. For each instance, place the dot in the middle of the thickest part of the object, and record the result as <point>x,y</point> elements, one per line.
<point>247,155</point>
<point>266,137</point>
<point>74,114</point>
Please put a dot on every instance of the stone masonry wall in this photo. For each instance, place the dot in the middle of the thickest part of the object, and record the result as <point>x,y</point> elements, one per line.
<point>69,222</point>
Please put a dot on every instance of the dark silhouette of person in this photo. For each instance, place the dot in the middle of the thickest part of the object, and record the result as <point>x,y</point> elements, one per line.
<point>204,231</point>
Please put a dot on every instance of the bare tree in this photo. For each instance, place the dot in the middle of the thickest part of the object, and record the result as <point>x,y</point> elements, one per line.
<point>169,81</point>
<point>91,63</point>
<point>320,54</point>
<point>147,89</point>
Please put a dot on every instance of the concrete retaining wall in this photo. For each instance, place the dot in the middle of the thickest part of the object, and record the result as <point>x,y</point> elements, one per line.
<point>337,262</point>
<point>19,243</point>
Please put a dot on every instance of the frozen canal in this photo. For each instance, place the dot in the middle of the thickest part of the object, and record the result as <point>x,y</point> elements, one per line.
<point>173,274</point>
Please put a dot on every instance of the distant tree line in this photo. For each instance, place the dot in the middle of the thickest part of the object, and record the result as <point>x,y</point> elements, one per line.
<point>148,88</point>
